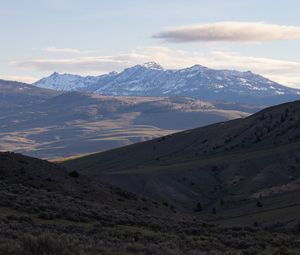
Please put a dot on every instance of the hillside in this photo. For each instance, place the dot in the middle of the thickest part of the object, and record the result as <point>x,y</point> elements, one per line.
<point>17,95</point>
<point>46,209</point>
<point>232,166</point>
<point>199,82</point>
<point>49,124</point>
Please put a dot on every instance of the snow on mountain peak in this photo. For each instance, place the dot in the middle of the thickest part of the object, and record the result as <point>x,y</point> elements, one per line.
<point>197,68</point>
<point>150,79</point>
<point>112,73</point>
<point>152,65</point>
<point>54,74</point>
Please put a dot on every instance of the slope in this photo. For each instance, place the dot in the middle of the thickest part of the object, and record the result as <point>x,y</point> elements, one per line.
<point>16,95</point>
<point>46,209</point>
<point>76,123</point>
<point>239,162</point>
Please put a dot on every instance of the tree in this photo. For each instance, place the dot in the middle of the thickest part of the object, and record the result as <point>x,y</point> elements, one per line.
<point>221,201</point>
<point>259,204</point>
<point>198,207</point>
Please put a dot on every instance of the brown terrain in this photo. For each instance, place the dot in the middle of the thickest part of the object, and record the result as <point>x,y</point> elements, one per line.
<point>48,124</point>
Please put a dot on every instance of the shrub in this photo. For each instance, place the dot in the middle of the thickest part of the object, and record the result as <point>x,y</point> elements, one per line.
<point>198,207</point>
<point>45,244</point>
<point>259,204</point>
<point>221,201</point>
<point>281,251</point>
<point>74,174</point>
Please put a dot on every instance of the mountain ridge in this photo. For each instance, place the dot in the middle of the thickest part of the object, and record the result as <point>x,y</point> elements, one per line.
<point>150,79</point>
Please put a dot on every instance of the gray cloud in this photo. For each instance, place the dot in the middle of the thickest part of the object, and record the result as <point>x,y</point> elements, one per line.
<point>229,31</point>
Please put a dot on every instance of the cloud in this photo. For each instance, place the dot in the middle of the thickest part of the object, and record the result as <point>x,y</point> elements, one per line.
<point>92,64</point>
<point>25,79</point>
<point>229,32</point>
<point>282,71</point>
<point>53,49</point>
<point>285,72</point>
<point>87,65</point>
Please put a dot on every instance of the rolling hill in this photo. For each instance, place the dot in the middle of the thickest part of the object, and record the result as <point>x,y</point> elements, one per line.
<point>17,95</point>
<point>244,169</point>
<point>50,124</point>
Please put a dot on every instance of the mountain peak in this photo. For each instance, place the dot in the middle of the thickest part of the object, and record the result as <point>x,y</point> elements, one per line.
<point>55,74</point>
<point>198,67</point>
<point>152,65</point>
<point>112,73</point>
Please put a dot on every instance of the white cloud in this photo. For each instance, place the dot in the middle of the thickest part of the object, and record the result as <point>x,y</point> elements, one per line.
<point>25,79</point>
<point>53,49</point>
<point>285,72</point>
<point>87,65</point>
<point>229,31</point>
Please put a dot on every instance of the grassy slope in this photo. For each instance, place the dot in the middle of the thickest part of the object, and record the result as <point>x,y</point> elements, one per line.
<point>44,210</point>
<point>240,162</point>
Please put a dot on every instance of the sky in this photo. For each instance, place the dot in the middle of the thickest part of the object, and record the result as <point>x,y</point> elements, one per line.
<point>92,37</point>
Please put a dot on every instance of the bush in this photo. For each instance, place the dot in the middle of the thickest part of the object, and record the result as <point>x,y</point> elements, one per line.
<point>45,244</point>
<point>221,202</point>
<point>281,251</point>
<point>198,207</point>
<point>259,204</point>
<point>74,174</point>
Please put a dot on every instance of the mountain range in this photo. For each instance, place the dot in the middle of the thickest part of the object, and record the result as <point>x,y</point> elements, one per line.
<point>200,82</point>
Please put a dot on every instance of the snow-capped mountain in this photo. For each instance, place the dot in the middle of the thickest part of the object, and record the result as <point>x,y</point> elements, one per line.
<point>71,82</point>
<point>150,79</point>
